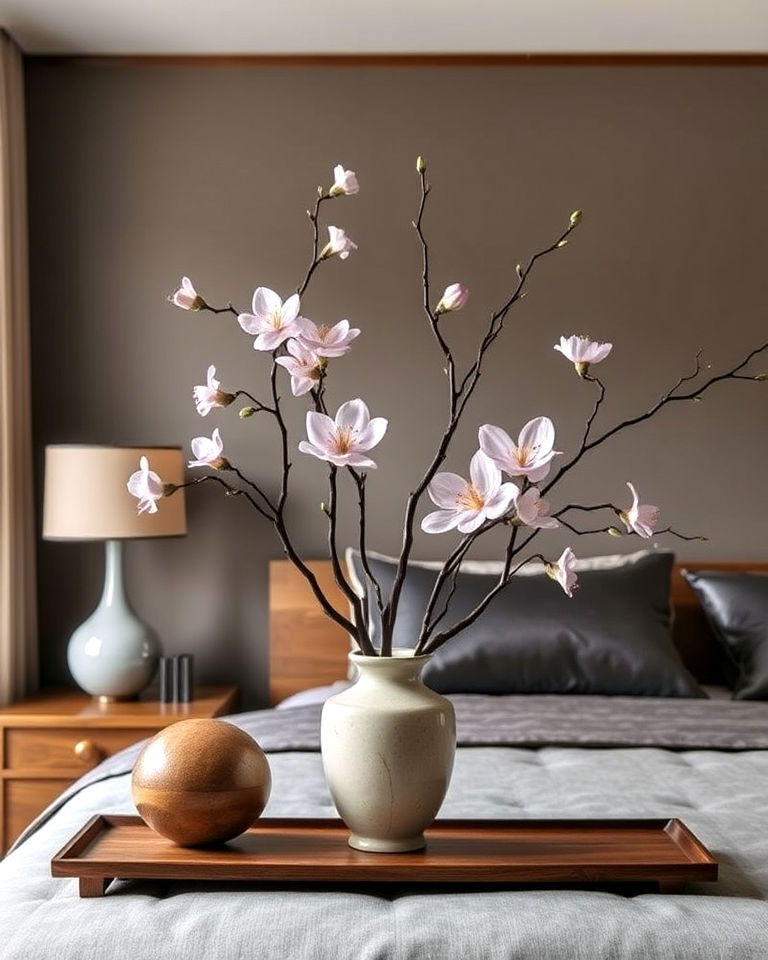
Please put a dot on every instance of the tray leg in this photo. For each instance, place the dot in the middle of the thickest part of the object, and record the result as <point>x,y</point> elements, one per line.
<point>671,886</point>
<point>94,886</point>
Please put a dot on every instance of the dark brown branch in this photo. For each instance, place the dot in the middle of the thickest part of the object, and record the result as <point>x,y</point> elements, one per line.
<point>432,318</point>
<point>316,260</point>
<point>228,309</point>
<point>271,506</point>
<point>361,632</point>
<point>230,491</point>
<point>258,406</point>
<point>439,639</point>
<point>459,399</point>
<point>360,479</point>
<point>669,397</point>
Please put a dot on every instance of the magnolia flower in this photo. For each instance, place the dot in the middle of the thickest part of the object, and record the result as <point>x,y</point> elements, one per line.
<point>467,505</point>
<point>328,341</point>
<point>339,243</point>
<point>304,366</point>
<point>146,486</point>
<point>208,451</point>
<point>209,396</point>
<point>564,571</point>
<point>345,182</point>
<point>187,297</point>
<point>532,454</point>
<point>533,511</point>
<point>582,351</point>
<point>343,440</point>
<point>641,518</point>
<point>454,297</point>
<point>272,320</point>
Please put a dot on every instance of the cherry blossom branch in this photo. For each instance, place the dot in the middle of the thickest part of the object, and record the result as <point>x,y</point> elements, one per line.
<point>432,318</point>
<point>230,491</point>
<point>439,639</point>
<point>496,322</point>
<point>458,401</point>
<point>360,479</point>
<point>271,506</point>
<point>331,511</point>
<point>227,309</point>
<point>669,397</point>
<point>258,406</point>
<point>316,260</point>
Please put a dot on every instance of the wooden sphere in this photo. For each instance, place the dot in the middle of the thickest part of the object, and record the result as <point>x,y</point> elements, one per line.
<point>200,782</point>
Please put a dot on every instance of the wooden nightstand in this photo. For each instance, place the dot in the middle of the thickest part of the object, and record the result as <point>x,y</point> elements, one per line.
<point>49,740</point>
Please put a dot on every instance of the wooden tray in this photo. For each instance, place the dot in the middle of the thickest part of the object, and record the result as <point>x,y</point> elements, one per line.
<point>663,852</point>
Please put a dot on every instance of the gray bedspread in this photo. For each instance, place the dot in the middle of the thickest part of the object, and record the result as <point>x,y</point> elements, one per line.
<point>704,761</point>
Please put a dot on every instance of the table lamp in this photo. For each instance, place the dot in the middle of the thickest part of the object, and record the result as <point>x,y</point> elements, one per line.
<point>112,655</point>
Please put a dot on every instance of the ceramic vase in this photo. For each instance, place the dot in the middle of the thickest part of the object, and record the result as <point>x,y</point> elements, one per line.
<point>388,744</point>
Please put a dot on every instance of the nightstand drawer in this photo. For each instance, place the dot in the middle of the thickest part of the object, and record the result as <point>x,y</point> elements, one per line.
<point>70,749</point>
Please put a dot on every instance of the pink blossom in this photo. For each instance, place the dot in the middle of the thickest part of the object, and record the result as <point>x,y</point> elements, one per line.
<point>454,297</point>
<point>466,505</point>
<point>564,571</point>
<point>533,511</point>
<point>209,395</point>
<point>344,182</point>
<point>344,440</point>
<point>304,366</point>
<point>146,486</point>
<point>209,452</point>
<point>328,341</point>
<point>187,297</point>
<point>640,518</point>
<point>272,321</point>
<point>338,243</point>
<point>582,351</point>
<point>532,454</point>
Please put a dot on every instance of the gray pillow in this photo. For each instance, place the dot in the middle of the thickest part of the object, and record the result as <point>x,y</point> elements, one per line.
<point>736,605</point>
<point>613,637</point>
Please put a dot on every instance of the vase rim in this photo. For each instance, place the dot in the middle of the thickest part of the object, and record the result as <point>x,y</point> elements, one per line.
<point>400,654</point>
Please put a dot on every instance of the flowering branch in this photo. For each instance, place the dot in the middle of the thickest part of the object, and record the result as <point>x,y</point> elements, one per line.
<point>474,506</point>
<point>459,397</point>
<point>669,397</point>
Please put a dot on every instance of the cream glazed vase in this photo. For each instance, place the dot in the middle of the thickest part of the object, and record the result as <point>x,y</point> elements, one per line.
<point>388,744</point>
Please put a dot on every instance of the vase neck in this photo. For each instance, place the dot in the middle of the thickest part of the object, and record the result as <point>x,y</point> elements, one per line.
<point>397,669</point>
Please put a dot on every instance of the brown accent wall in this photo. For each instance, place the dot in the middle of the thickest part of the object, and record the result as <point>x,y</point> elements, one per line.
<point>141,173</point>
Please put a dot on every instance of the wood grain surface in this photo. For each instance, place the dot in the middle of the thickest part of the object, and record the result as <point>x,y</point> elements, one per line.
<point>565,852</point>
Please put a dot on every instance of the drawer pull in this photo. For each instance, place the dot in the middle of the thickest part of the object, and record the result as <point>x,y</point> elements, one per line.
<point>88,751</point>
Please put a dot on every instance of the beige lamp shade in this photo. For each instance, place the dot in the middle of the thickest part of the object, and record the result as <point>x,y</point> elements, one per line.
<point>86,497</point>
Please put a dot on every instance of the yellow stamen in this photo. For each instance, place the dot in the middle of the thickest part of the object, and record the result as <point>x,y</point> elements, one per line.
<point>470,499</point>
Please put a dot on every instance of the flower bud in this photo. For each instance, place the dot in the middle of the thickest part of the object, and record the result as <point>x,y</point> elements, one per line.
<point>421,166</point>
<point>761,377</point>
<point>247,412</point>
<point>576,218</point>
<point>454,297</point>
<point>614,532</point>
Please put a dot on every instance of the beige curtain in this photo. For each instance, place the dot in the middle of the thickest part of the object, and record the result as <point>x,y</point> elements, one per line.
<point>18,627</point>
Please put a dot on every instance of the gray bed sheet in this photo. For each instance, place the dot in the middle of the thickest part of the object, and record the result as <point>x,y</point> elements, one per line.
<point>722,794</point>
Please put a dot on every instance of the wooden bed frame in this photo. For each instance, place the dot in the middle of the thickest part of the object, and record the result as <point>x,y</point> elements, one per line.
<point>306,649</point>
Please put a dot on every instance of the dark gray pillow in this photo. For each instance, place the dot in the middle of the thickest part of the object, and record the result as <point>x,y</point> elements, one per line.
<point>736,605</point>
<point>612,637</point>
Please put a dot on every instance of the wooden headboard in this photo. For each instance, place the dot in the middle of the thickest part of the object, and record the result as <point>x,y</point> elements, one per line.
<point>306,649</point>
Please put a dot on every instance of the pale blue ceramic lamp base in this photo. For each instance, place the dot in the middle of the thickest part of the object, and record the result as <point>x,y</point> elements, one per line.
<point>113,655</point>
